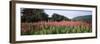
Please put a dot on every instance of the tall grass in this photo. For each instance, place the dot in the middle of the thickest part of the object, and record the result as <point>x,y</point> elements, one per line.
<point>40,28</point>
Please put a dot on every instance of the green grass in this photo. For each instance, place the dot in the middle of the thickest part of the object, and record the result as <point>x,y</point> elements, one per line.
<point>58,30</point>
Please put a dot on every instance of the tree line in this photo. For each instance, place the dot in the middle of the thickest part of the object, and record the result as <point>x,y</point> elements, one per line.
<point>35,15</point>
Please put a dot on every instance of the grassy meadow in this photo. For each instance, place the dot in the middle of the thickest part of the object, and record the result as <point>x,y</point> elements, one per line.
<point>38,22</point>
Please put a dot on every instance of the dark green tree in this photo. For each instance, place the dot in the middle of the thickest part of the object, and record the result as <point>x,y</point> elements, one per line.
<point>57,17</point>
<point>33,15</point>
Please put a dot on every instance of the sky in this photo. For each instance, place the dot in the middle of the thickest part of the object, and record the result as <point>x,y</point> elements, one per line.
<point>68,13</point>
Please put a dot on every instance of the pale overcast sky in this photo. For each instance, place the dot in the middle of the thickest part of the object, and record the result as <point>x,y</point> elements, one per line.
<point>68,13</point>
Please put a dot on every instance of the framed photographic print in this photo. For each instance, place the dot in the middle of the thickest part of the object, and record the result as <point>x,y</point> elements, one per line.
<point>39,21</point>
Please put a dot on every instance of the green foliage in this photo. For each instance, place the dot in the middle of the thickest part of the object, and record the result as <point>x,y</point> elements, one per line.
<point>59,30</point>
<point>57,17</point>
<point>86,18</point>
<point>33,15</point>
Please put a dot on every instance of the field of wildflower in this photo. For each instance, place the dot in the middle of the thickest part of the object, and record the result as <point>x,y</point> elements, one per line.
<point>62,27</point>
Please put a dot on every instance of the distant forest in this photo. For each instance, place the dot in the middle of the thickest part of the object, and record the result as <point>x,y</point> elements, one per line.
<point>35,15</point>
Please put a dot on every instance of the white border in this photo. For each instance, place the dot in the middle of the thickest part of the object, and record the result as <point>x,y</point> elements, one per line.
<point>40,37</point>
